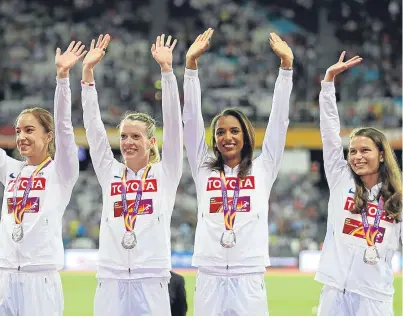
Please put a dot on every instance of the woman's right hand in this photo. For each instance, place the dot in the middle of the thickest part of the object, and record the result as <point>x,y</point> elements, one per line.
<point>97,52</point>
<point>341,66</point>
<point>199,46</point>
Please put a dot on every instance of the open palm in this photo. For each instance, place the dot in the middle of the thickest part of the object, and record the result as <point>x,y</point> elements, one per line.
<point>97,52</point>
<point>73,54</point>
<point>200,45</point>
<point>161,52</point>
<point>280,47</point>
<point>341,66</point>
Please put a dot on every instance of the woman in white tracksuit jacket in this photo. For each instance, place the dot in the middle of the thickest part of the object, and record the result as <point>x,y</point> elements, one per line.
<point>364,216</point>
<point>133,278</point>
<point>232,258</point>
<point>37,191</point>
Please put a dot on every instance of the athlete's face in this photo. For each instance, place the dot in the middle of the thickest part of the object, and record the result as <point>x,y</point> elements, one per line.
<point>31,137</point>
<point>134,143</point>
<point>229,138</point>
<point>364,156</point>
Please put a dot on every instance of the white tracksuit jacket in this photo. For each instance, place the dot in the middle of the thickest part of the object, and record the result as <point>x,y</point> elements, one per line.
<point>42,244</point>
<point>153,250</point>
<point>341,264</point>
<point>251,223</point>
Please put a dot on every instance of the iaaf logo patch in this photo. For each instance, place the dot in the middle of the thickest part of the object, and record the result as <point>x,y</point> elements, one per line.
<point>216,205</point>
<point>132,186</point>
<point>355,228</point>
<point>145,207</point>
<point>31,207</point>
<point>349,205</point>
<point>214,183</point>
<point>38,184</point>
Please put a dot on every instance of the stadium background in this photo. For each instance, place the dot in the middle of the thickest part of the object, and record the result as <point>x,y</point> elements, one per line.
<point>239,70</point>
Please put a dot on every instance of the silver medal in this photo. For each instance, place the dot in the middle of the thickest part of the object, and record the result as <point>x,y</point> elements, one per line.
<point>18,232</point>
<point>228,239</point>
<point>371,255</point>
<point>129,240</point>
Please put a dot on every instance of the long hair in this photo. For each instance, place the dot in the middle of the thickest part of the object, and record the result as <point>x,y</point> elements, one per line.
<point>389,175</point>
<point>45,119</point>
<point>150,130</point>
<point>217,163</point>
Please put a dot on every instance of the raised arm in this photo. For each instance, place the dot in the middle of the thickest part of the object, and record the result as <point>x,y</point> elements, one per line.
<point>66,156</point>
<point>100,149</point>
<point>194,133</point>
<point>172,137</point>
<point>275,135</point>
<point>333,156</point>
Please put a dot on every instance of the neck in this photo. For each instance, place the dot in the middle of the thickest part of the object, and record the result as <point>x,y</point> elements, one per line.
<point>136,165</point>
<point>232,162</point>
<point>36,160</point>
<point>370,180</point>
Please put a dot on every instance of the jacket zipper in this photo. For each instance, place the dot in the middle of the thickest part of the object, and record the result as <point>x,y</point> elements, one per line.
<point>349,271</point>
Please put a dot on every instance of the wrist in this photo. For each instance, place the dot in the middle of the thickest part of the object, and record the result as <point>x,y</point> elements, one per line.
<point>62,73</point>
<point>287,63</point>
<point>191,63</point>
<point>166,68</point>
<point>88,67</point>
<point>329,77</point>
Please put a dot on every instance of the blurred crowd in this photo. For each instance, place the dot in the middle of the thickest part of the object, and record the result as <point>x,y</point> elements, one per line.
<point>238,70</point>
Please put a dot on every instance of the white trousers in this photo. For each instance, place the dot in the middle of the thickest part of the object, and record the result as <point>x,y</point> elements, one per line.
<point>230,295</point>
<point>334,302</point>
<point>139,297</point>
<point>30,293</point>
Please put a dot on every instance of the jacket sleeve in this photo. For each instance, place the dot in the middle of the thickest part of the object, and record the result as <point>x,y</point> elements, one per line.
<point>276,131</point>
<point>100,150</point>
<point>172,133</point>
<point>194,132</point>
<point>66,156</point>
<point>333,157</point>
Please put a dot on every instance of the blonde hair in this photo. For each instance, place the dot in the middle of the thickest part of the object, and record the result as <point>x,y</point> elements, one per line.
<point>45,119</point>
<point>389,175</point>
<point>150,130</point>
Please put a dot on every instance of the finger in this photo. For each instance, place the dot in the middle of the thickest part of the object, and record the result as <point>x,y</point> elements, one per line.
<point>208,32</point>
<point>204,36</point>
<point>342,56</point>
<point>162,39</point>
<point>153,48</point>
<point>76,47</point>
<point>82,55</point>
<point>158,41</point>
<point>80,50</point>
<point>276,38</point>
<point>198,37</point>
<point>105,41</point>
<point>99,40</point>
<point>210,35</point>
<point>271,42</point>
<point>353,59</point>
<point>70,46</point>
<point>92,44</point>
<point>173,44</point>
<point>58,51</point>
<point>273,37</point>
<point>168,42</point>
<point>353,63</point>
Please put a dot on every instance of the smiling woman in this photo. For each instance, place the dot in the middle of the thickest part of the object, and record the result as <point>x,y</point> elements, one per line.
<point>35,131</point>
<point>356,260</point>
<point>134,240</point>
<point>37,192</point>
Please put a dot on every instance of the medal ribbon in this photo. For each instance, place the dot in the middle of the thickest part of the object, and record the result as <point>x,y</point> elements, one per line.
<point>19,212</point>
<point>371,232</point>
<point>130,216</point>
<point>229,215</point>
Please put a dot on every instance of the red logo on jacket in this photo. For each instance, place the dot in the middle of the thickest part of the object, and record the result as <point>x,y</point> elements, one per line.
<point>214,183</point>
<point>371,212</point>
<point>38,184</point>
<point>132,186</point>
